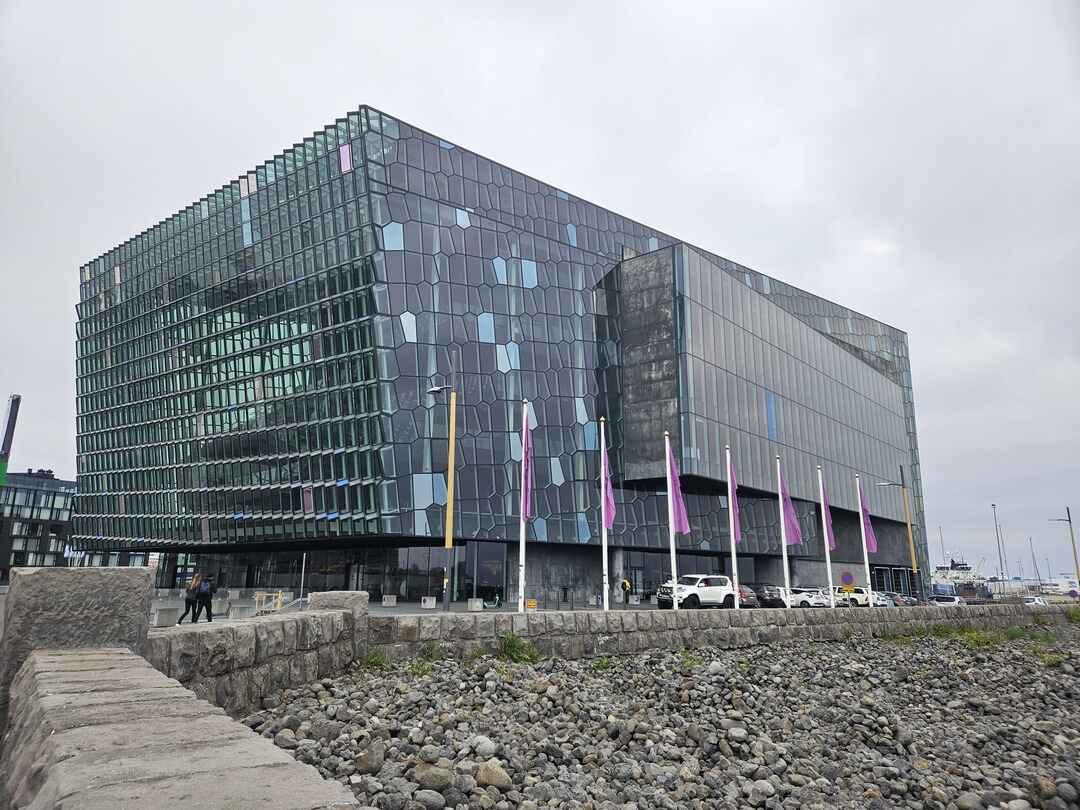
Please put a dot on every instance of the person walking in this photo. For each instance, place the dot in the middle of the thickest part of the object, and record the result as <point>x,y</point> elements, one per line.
<point>203,597</point>
<point>190,600</point>
<point>626,587</point>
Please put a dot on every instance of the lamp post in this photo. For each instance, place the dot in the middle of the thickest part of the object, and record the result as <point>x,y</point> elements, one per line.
<point>448,536</point>
<point>907,520</point>
<point>1072,537</point>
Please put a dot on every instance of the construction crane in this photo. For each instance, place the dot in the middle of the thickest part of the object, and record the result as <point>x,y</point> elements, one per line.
<point>8,435</point>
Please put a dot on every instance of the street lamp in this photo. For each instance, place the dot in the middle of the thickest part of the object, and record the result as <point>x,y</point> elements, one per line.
<point>1072,537</point>
<point>907,520</point>
<point>1002,578</point>
<point>448,536</point>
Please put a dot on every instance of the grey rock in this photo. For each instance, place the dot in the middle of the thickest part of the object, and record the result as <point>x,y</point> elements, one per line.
<point>371,759</point>
<point>491,773</point>
<point>483,747</point>
<point>430,799</point>
<point>432,777</point>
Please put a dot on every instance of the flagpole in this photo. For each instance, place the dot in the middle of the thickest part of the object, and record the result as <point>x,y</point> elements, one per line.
<point>604,484</point>
<point>783,533</point>
<point>522,510</point>
<point>731,526</point>
<point>671,521</point>
<point>825,535</point>
<point>862,529</point>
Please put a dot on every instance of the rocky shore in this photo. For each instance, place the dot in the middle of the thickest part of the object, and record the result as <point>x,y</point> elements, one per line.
<point>952,720</point>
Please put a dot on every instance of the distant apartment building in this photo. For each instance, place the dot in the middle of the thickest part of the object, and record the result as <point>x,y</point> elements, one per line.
<point>35,526</point>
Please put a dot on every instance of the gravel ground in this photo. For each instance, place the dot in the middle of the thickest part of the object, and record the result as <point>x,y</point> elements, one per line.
<point>967,721</point>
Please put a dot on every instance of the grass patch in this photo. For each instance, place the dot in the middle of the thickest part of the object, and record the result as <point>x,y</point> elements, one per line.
<point>419,667</point>
<point>942,631</point>
<point>689,659</point>
<point>980,639</point>
<point>1072,614</point>
<point>374,659</point>
<point>513,647</point>
<point>1042,620</point>
<point>1030,634</point>
<point>1050,660</point>
<point>601,664</point>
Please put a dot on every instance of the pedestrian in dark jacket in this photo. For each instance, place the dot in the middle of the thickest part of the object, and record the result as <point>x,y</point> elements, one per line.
<point>203,597</point>
<point>190,600</point>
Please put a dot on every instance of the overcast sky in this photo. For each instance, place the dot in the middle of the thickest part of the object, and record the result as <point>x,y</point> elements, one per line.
<point>916,161</point>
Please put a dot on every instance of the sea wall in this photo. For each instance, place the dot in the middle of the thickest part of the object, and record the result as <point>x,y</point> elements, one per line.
<point>583,634</point>
<point>235,664</point>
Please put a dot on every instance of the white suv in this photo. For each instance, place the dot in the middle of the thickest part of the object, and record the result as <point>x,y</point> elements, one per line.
<point>858,596</point>
<point>807,597</point>
<point>698,590</point>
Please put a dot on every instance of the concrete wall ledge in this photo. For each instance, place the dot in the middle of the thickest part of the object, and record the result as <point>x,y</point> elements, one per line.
<point>101,728</point>
<point>584,634</point>
<point>236,664</point>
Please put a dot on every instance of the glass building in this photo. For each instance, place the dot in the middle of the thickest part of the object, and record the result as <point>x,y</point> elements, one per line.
<point>35,520</point>
<point>260,385</point>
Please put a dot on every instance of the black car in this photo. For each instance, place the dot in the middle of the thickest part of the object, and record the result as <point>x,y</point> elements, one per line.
<point>767,595</point>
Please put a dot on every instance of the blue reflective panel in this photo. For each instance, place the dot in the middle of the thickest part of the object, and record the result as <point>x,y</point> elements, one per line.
<point>571,233</point>
<point>501,359</point>
<point>654,244</point>
<point>463,218</point>
<point>499,264</point>
<point>581,413</point>
<point>439,488</point>
<point>539,531</point>
<point>247,234</point>
<point>528,273</point>
<point>408,326</point>
<point>485,327</point>
<point>512,356</point>
<point>245,210</point>
<point>583,533</point>
<point>393,236</point>
<point>770,415</point>
<point>590,435</point>
<point>557,477</point>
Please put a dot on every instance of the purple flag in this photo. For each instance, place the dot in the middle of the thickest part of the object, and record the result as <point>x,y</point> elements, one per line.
<point>526,466</point>
<point>608,494</point>
<point>792,531</point>
<point>828,518</point>
<point>734,505</point>
<point>681,521</point>
<point>871,538</point>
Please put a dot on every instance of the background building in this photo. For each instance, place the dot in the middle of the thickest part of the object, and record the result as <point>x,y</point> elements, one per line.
<point>35,520</point>
<point>255,382</point>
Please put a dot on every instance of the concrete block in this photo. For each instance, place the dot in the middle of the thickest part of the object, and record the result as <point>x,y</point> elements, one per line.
<point>597,622</point>
<point>157,652</point>
<point>66,608</point>
<point>504,624</point>
<point>243,641</point>
<point>537,625</point>
<point>269,640</point>
<point>407,628</point>
<point>520,624</point>
<point>431,627</point>
<point>309,631</point>
<point>214,648</point>
<point>381,629</point>
<point>485,627</point>
<point>461,626</point>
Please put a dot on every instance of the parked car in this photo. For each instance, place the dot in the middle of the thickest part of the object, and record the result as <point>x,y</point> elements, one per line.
<point>942,599</point>
<point>747,598</point>
<point>809,597</point>
<point>900,600</point>
<point>698,590</point>
<point>767,595</point>
<point>858,596</point>
<point>1035,600</point>
<point>881,600</point>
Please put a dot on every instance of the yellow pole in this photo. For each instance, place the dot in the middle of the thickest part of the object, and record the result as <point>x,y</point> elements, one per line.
<point>448,541</point>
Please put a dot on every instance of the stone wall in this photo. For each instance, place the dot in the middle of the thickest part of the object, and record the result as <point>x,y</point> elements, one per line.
<point>235,664</point>
<point>99,728</point>
<point>69,608</point>
<point>583,634</point>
